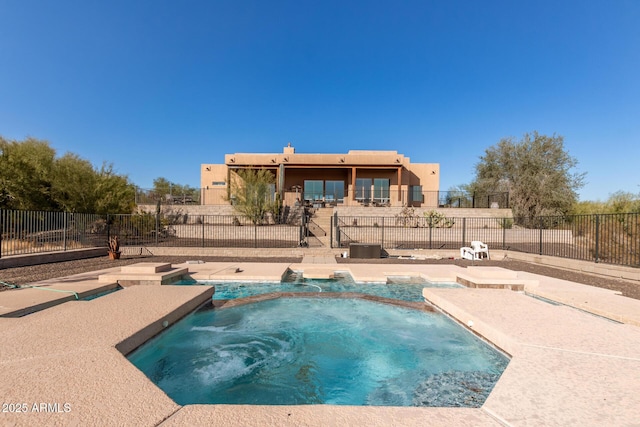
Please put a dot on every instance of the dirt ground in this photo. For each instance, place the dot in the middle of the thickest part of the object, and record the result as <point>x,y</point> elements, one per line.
<point>27,275</point>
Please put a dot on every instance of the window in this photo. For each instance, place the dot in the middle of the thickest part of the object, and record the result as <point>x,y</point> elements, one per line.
<point>272,192</point>
<point>363,189</point>
<point>416,194</point>
<point>381,190</point>
<point>313,189</point>
<point>218,183</point>
<point>334,191</point>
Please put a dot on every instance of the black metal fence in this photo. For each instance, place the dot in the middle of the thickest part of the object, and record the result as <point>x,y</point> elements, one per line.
<point>607,238</point>
<point>151,197</point>
<point>29,232</point>
<point>26,232</point>
<point>206,231</point>
<point>368,197</point>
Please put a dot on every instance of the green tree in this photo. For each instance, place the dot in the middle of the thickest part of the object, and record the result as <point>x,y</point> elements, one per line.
<point>623,202</point>
<point>251,192</point>
<point>618,202</point>
<point>74,184</point>
<point>6,198</point>
<point>32,178</point>
<point>536,171</point>
<point>459,196</point>
<point>588,207</point>
<point>25,174</point>
<point>163,189</point>
<point>115,193</point>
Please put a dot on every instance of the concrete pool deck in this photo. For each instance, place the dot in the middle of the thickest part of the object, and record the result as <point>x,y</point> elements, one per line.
<point>568,366</point>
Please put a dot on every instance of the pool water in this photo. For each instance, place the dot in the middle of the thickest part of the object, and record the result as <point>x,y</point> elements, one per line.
<point>402,288</point>
<point>293,351</point>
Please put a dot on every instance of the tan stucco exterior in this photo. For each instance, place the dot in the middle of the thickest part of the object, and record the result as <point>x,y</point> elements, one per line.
<point>398,180</point>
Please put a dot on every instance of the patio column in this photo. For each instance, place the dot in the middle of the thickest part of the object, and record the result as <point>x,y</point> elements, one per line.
<point>229,184</point>
<point>280,181</point>
<point>400,184</point>
<point>353,183</point>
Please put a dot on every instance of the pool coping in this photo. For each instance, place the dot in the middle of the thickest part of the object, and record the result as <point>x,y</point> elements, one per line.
<point>64,363</point>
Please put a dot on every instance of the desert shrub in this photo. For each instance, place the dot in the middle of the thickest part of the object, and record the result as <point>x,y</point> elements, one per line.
<point>407,217</point>
<point>506,223</point>
<point>436,219</point>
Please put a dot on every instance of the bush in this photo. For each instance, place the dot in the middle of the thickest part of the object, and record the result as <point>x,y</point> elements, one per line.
<point>436,219</point>
<point>407,217</point>
<point>506,223</point>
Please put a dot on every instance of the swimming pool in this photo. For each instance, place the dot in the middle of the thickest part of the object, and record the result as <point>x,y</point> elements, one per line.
<point>397,287</point>
<point>291,351</point>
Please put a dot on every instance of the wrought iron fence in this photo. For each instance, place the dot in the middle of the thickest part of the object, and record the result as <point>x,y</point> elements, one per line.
<point>152,197</point>
<point>27,232</point>
<point>609,238</point>
<point>375,197</point>
<point>206,231</point>
<point>388,197</point>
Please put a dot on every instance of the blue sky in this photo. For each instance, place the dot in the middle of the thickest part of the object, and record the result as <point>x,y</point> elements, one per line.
<point>159,87</point>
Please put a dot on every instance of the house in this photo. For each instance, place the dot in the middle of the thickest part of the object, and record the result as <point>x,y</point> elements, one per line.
<point>359,177</point>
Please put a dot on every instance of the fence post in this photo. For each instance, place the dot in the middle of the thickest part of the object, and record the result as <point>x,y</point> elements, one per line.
<point>338,231</point>
<point>301,238</point>
<point>382,243</point>
<point>64,232</point>
<point>504,233</point>
<point>202,230</point>
<point>1,229</point>
<point>597,251</point>
<point>331,232</point>
<point>255,234</point>
<point>540,249</point>
<point>464,231</point>
<point>157,226</point>
<point>108,229</point>
<point>306,229</point>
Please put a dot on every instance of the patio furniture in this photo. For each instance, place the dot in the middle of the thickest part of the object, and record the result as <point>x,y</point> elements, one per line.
<point>477,251</point>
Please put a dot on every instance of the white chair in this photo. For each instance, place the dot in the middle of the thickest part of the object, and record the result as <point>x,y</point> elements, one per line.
<point>466,253</point>
<point>477,251</point>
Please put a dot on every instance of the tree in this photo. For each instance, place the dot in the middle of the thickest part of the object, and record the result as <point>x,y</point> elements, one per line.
<point>164,189</point>
<point>74,184</point>
<point>458,196</point>
<point>536,171</point>
<point>25,174</point>
<point>33,178</point>
<point>624,202</point>
<point>115,193</point>
<point>251,192</point>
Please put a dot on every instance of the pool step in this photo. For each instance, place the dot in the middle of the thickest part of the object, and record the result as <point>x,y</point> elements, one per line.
<point>317,273</point>
<point>493,278</point>
<point>145,273</point>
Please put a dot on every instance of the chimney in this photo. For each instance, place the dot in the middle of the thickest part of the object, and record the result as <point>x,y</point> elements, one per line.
<point>289,149</point>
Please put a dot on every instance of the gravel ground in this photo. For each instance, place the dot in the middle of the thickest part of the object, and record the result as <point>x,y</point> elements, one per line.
<point>31,274</point>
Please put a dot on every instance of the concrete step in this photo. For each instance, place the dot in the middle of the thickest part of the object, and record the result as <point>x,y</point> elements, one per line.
<point>322,225</point>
